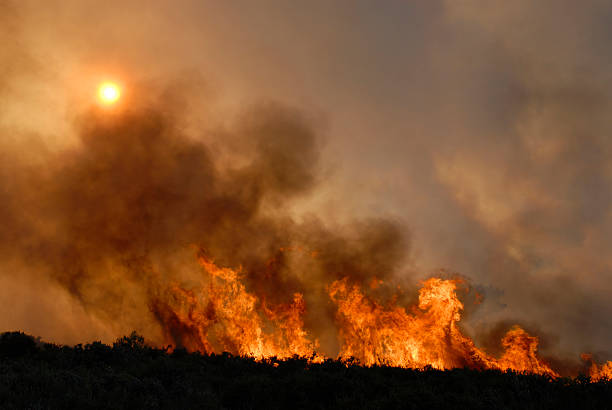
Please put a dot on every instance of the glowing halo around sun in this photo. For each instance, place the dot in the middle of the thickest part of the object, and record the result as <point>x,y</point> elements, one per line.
<point>109,93</point>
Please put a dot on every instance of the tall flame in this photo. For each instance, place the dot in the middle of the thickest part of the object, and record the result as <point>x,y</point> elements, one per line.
<point>427,337</point>
<point>221,315</point>
<point>598,372</point>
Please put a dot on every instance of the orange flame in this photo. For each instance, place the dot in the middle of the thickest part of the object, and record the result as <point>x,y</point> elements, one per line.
<point>428,337</point>
<point>221,315</point>
<point>598,372</point>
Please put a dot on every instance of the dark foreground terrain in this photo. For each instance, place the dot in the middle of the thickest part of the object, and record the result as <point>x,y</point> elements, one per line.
<point>131,375</point>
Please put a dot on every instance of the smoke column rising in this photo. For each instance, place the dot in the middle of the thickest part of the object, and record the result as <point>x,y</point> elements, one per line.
<point>117,218</point>
<point>481,128</point>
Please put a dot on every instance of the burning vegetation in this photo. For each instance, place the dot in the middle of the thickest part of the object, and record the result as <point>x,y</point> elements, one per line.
<point>113,219</point>
<point>221,315</point>
<point>598,372</point>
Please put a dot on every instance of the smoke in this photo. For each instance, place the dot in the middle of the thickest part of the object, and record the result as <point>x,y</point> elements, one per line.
<point>533,174</point>
<point>118,217</point>
<point>483,128</point>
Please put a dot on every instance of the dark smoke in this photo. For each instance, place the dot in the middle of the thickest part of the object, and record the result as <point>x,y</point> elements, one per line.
<point>119,216</point>
<point>483,126</point>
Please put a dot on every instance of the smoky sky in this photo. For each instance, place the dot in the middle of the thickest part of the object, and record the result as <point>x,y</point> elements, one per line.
<point>121,216</point>
<point>407,137</point>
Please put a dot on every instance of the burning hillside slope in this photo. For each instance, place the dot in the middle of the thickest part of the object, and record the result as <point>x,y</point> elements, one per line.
<point>113,219</point>
<point>221,315</point>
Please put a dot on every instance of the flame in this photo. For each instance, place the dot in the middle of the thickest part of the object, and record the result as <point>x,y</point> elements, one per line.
<point>428,337</point>
<point>601,372</point>
<point>521,353</point>
<point>221,315</point>
<point>598,372</point>
<point>390,336</point>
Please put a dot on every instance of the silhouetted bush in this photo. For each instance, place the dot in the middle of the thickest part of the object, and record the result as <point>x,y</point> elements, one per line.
<point>16,344</point>
<point>132,375</point>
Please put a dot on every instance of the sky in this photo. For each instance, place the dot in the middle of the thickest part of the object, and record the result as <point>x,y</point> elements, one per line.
<point>477,131</point>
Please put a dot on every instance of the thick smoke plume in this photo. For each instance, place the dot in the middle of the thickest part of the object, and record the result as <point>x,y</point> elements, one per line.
<point>121,215</point>
<point>483,128</point>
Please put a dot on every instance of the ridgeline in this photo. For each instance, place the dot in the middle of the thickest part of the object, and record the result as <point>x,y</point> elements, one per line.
<point>131,375</point>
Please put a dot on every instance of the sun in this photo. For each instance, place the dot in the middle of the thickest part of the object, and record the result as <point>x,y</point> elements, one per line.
<point>109,93</point>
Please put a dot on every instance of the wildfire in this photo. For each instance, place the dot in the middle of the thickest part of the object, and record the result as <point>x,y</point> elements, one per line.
<point>220,314</point>
<point>598,372</point>
<point>427,337</point>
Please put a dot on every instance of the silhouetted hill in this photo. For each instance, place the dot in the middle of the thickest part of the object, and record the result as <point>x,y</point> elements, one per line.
<point>132,375</point>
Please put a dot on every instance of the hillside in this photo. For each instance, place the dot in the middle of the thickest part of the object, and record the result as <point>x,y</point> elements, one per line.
<point>130,374</point>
